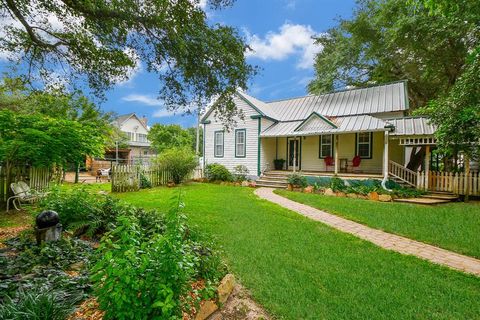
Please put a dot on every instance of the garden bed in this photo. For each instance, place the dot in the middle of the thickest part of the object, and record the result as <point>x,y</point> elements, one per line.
<point>108,262</point>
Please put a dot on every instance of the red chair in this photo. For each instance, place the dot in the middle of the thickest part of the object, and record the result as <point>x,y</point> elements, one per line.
<point>356,163</point>
<point>329,163</point>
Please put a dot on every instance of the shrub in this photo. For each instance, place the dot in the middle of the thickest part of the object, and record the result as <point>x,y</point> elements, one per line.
<point>240,172</point>
<point>37,304</point>
<point>337,184</point>
<point>297,180</point>
<point>142,274</point>
<point>144,182</point>
<point>217,172</point>
<point>83,211</point>
<point>180,162</point>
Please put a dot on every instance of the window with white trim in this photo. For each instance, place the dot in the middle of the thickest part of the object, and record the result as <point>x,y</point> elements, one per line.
<point>218,143</point>
<point>240,143</point>
<point>364,145</point>
<point>142,137</point>
<point>131,136</point>
<point>326,146</point>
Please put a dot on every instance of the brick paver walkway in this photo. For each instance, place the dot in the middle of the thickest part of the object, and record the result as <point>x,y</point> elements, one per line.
<point>380,238</point>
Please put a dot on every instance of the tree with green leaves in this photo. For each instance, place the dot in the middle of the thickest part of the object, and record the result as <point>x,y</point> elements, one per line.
<point>54,105</point>
<point>456,112</point>
<point>99,43</point>
<point>164,137</point>
<point>389,40</point>
<point>42,141</point>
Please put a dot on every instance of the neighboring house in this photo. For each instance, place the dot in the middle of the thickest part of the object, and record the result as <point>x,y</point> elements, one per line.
<point>136,129</point>
<point>363,132</point>
<point>138,150</point>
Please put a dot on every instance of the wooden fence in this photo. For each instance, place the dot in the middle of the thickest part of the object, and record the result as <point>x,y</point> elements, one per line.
<point>127,178</point>
<point>458,183</point>
<point>37,178</point>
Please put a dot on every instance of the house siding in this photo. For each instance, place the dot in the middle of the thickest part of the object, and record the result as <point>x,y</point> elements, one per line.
<point>229,160</point>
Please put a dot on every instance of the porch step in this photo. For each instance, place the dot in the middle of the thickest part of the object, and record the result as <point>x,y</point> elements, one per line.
<point>431,198</point>
<point>269,181</point>
<point>422,200</point>
<point>268,185</point>
<point>441,196</point>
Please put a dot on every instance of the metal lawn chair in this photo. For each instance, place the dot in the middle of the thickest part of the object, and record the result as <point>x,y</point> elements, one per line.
<point>23,194</point>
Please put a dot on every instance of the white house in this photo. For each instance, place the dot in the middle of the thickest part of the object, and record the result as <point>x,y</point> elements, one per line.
<point>363,132</point>
<point>136,129</point>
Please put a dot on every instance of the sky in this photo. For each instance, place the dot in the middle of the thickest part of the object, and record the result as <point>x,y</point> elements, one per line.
<point>279,32</point>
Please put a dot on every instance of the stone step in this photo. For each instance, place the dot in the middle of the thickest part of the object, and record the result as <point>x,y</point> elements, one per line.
<point>268,185</point>
<point>277,178</point>
<point>277,184</point>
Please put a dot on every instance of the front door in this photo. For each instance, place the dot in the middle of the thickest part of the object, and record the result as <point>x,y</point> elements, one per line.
<point>293,154</point>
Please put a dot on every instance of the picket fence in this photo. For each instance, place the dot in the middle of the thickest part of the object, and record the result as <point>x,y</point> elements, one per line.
<point>457,183</point>
<point>37,178</point>
<point>127,178</point>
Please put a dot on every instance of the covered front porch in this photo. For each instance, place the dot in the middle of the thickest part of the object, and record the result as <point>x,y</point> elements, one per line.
<point>360,155</point>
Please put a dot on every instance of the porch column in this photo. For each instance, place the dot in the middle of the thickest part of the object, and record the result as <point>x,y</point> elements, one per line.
<point>385,156</point>
<point>427,166</point>
<point>336,163</point>
<point>294,153</point>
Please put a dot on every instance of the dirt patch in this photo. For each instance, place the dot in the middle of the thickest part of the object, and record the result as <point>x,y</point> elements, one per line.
<point>240,306</point>
<point>10,232</point>
<point>88,310</point>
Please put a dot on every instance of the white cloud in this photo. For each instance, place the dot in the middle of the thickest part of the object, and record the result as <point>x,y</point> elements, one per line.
<point>143,99</point>
<point>291,39</point>
<point>162,113</point>
<point>130,73</point>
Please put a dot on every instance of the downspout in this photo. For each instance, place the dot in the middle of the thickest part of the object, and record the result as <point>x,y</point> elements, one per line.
<point>258,146</point>
<point>385,162</point>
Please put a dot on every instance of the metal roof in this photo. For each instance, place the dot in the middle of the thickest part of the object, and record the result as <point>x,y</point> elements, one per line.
<point>348,124</point>
<point>370,100</point>
<point>412,126</point>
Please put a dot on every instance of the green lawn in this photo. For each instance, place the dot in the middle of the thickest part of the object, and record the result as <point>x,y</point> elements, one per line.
<point>301,269</point>
<point>453,226</point>
<point>14,218</point>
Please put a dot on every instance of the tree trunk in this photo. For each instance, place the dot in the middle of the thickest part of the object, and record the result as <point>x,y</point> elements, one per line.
<point>416,159</point>
<point>77,171</point>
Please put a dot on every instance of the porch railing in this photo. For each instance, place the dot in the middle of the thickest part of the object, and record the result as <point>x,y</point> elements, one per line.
<point>403,174</point>
<point>458,183</point>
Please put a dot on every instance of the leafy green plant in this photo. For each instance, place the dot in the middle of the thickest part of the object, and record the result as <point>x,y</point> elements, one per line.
<point>240,172</point>
<point>82,211</point>
<point>131,258</point>
<point>37,304</point>
<point>179,162</point>
<point>297,180</point>
<point>27,266</point>
<point>337,184</point>
<point>217,172</point>
<point>144,182</point>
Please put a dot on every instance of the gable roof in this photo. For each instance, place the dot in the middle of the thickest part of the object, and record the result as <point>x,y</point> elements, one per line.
<point>316,121</point>
<point>120,120</point>
<point>348,124</point>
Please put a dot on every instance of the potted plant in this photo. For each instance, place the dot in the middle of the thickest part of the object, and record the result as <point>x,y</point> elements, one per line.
<point>278,164</point>
<point>296,182</point>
